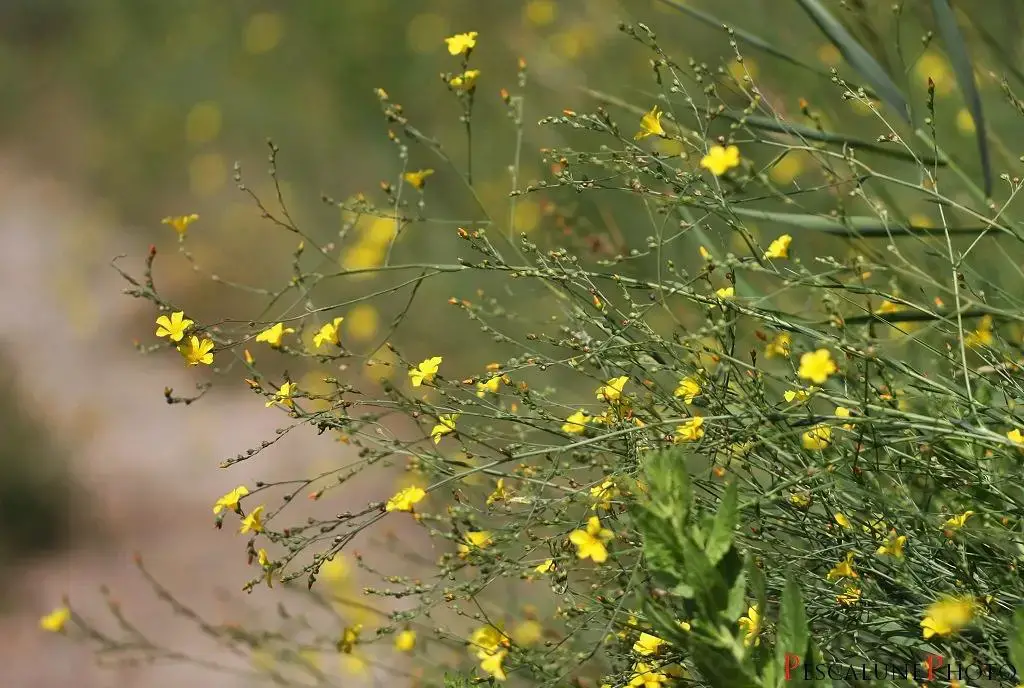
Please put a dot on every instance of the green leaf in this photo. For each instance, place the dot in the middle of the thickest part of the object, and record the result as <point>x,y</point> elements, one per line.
<point>720,667</point>
<point>744,36</point>
<point>723,529</point>
<point>662,550</point>
<point>710,590</point>
<point>457,681</point>
<point>851,226</point>
<point>858,58</point>
<point>957,49</point>
<point>810,134</point>
<point>669,484</point>
<point>792,627</point>
<point>1015,645</point>
<point>757,583</point>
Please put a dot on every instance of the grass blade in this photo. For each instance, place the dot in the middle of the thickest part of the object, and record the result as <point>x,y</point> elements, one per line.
<point>957,50</point>
<point>804,132</point>
<point>744,36</point>
<point>851,226</point>
<point>858,58</point>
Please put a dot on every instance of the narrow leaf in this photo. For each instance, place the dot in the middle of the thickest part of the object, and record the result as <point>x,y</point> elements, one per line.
<point>723,528</point>
<point>792,629</point>
<point>858,58</point>
<point>957,49</point>
<point>1016,642</point>
<point>810,134</point>
<point>852,226</point>
<point>742,35</point>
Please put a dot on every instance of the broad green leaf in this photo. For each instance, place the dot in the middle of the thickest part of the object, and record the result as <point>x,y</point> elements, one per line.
<point>757,583</point>
<point>1015,644</point>
<point>662,550</point>
<point>710,589</point>
<point>723,529</point>
<point>719,667</point>
<point>858,58</point>
<point>792,627</point>
<point>957,49</point>
<point>669,483</point>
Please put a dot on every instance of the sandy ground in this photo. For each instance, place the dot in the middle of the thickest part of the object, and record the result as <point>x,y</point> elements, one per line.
<point>149,469</point>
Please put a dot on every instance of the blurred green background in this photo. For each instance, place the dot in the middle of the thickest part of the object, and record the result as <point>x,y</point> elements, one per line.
<point>141,109</point>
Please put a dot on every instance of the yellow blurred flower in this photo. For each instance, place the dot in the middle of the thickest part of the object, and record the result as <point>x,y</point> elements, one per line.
<point>273,335</point>
<point>817,366</point>
<point>55,621</point>
<point>576,423</point>
<point>465,81</point>
<point>691,430</point>
<point>405,640</point>
<point>328,333</point>
<point>720,160</point>
<point>779,248</point>
<point>751,625</point>
<point>283,396</point>
<point>779,346</point>
<point>611,391</point>
<point>445,425</point>
<point>982,336</point>
<point>479,539</point>
<point>948,615</point>
<point>843,569</point>
<point>687,390</point>
<point>892,546</point>
<point>648,645</point>
<point>253,522</point>
<point>405,499</point>
<point>417,179</point>
<point>819,437</point>
<point>180,223</point>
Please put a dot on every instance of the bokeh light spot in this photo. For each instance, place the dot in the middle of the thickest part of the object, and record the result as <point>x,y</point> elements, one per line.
<point>263,32</point>
<point>203,122</point>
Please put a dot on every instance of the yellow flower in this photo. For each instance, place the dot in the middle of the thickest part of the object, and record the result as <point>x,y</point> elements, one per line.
<point>650,125</point>
<point>704,253</point>
<point>273,335</point>
<point>690,431</point>
<point>576,423</point>
<point>648,645</point>
<point>893,545</point>
<point>491,664</point>
<point>173,327</point>
<point>546,566</point>
<point>725,292</point>
<point>843,569</point>
<point>230,500</point>
<point>590,542</point>
<point>328,334</point>
<point>417,179</point>
<point>461,42</point>
<point>647,676</point>
<point>779,346</point>
<point>720,160</point>
<point>405,641</point>
<point>487,640</point>
<point>349,638</point>
<point>947,616</point>
<point>445,425</point>
<point>850,595</point>
<point>466,80</point>
<point>527,633</point>
<point>253,522</point>
<point>779,248</point>
<point>405,499</point>
<point>492,385</point>
<point>499,494</point>
<point>842,520</point>
<point>612,390</point>
<point>800,500</point>
<point>817,438</point>
<point>982,336</point>
<point>751,623</point>
<point>425,371</point>
<point>955,523</point>
<point>196,351</point>
<point>480,539</point>
<point>688,390</point>
<point>843,412</point>
<point>603,494</point>
<point>180,222</point>
<point>817,366</point>
<point>1016,436</point>
<point>55,621</point>
<point>797,395</point>
<point>283,396</point>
